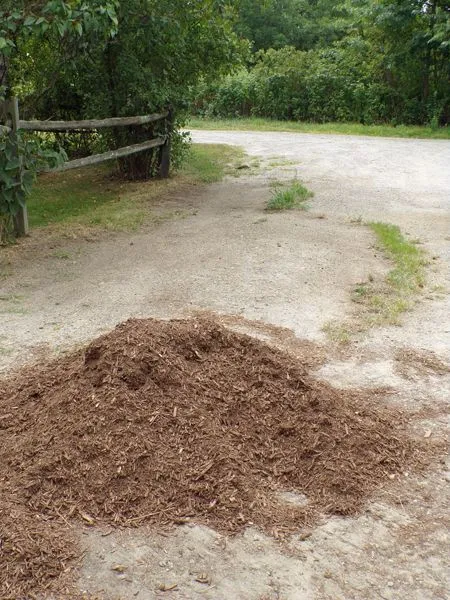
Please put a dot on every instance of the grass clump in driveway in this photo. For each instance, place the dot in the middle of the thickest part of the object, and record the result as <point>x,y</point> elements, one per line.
<point>295,195</point>
<point>383,302</point>
<point>408,275</point>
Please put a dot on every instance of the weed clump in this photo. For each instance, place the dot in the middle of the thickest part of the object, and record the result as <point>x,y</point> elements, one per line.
<point>285,198</point>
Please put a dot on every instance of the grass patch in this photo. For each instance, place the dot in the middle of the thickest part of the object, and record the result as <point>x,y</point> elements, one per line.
<point>337,332</point>
<point>285,198</point>
<point>280,162</point>
<point>259,124</point>
<point>383,302</point>
<point>61,255</point>
<point>209,163</point>
<point>92,198</point>
<point>15,298</point>
<point>87,197</point>
<point>408,275</point>
<point>11,304</point>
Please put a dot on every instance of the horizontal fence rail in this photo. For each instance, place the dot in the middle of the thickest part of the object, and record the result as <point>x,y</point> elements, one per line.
<point>110,155</point>
<point>91,123</point>
<point>9,114</point>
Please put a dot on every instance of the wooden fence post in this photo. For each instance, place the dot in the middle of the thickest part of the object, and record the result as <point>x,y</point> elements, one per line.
<point>164,165</point>
<point>12,111</point>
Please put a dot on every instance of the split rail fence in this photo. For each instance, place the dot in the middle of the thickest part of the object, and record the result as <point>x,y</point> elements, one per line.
<point>9,115</point>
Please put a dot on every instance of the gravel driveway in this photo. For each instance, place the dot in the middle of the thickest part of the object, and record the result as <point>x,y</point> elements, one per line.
<point>293,270</point>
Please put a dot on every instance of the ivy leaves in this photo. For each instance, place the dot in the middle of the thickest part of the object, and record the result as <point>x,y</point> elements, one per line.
<point>22,157</point>
<point>20,161</point>
<point>11,193</point>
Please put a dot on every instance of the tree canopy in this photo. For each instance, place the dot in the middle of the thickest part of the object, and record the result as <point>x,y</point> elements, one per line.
<point>361,60</point>
<point>116,56</point>
<point>25,19</point>
<point>370,61</point>
<point>304,24</point>
<point>72,59</point>
<point>365,60</point>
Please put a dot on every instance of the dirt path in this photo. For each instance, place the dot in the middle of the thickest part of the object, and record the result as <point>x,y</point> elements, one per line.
<point>293,270</point>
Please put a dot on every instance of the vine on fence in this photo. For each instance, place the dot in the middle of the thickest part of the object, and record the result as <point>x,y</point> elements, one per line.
<point>21,158</point>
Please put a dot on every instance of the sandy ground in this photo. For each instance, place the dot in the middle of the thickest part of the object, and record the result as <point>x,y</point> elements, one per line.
<point>293,270</point>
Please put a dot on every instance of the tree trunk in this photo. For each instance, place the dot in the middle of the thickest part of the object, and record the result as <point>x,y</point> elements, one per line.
<point>4,72</point>
<point>428,62</point>
<point>136,166</point>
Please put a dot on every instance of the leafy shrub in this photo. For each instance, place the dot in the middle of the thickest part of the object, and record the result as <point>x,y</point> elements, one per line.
<point>18,174</point>
<point>345,82</point>
<point>234,96</point>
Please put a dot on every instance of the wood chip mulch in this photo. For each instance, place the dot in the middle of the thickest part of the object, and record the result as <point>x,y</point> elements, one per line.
<point>163,422</point>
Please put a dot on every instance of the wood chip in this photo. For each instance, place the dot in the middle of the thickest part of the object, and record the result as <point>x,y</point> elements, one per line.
<point>245,428</point>
<point>119,568</point>
<point>87,518</point>
<point>164,587</point>
<point>305,534</point>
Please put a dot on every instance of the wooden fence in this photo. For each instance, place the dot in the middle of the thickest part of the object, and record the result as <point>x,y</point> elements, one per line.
<point>9,114</point>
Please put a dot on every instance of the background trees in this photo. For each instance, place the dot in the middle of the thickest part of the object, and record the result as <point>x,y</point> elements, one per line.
<point>372,62</point>
<point>72,59</point>
<point>303,24</point>
<point>383,61</point>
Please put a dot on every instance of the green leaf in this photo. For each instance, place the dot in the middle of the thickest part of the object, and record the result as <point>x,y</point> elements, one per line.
<point>29,21</point>
<point>7,196</point>
<point>6,179</point>
<point>12,164</point>
<point>61,28</point>
<point>11,25</point>
<point>28,178</point>
<point>112,15</point>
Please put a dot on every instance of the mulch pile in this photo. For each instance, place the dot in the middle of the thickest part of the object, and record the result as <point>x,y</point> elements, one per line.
<point>161,422</point>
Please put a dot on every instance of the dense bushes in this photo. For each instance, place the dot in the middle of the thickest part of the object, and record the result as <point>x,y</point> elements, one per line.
<point>346,82</point>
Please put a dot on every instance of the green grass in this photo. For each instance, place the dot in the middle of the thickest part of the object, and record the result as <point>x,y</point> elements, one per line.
<point>11,304</point>
<point>408,274</point>
<point>285,198</point>
<point>259,124</point>
<point>84,196</point>
<point>92,198</point>
<point>338,332</point>
<point>280,162</point>
<point>208,163</point>
<point>383,302</point>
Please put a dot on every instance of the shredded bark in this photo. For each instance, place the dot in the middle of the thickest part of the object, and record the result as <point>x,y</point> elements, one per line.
<point>163,422</point>
<point>417,364</point>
